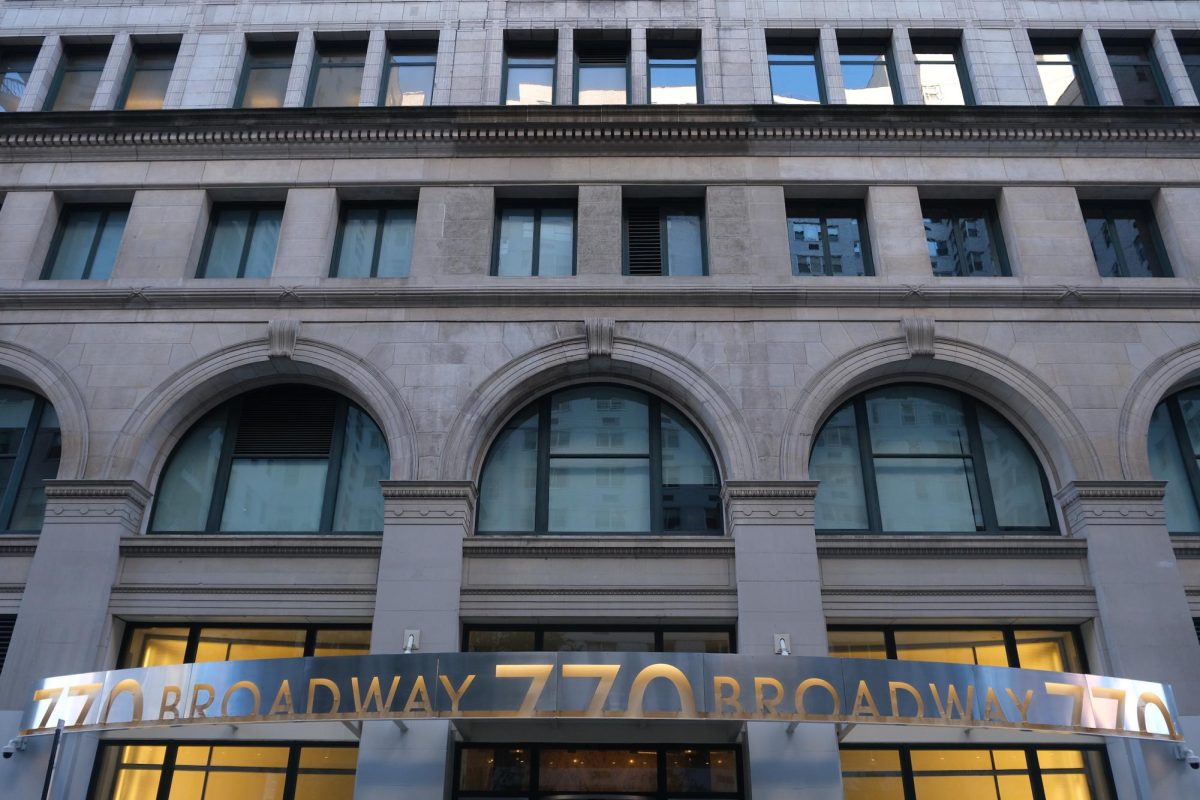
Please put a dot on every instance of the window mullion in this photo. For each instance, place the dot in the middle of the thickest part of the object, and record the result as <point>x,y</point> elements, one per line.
<point>1010,648</point>
<point>542,508</point>
<point>664,255</point>
<point>167,774</point>
<point>1035,773</point>
<point>216,508</point>
<point>823,226</point>
<point>535,246</point>
<point>983,484</point>
<point>8,502</point>
<point>1110,225</point>
<point>334,461</point>
<point>97,235</point>
<point>293,770</point>
<point>906,772</point>
<point>866,458</point>
<point>376,252</point>
<point>654,409</point>
<point>251,224</point>
<point>1184,443</point>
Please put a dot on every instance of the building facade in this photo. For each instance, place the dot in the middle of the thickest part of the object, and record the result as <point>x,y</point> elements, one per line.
<point>772,329</point>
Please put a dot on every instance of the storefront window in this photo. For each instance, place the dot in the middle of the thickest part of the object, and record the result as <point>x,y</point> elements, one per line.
<point>579,639</point>
<point>161,645</point>
<point>1052,649</point>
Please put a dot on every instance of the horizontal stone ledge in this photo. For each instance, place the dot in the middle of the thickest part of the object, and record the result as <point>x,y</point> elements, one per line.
<point>484,546</point>
<point>958,591</point>
<point>206,590</point>
<point>962,547</point>
<point>176,546</point>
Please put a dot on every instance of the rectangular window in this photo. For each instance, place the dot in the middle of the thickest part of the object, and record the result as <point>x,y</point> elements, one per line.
<point>601,72</point>
<point>150,69</point>
<point>1137,74</point>
<point>534,239</point>
<point>828,239</point>
<point>867,72</point>
<point>1061,67</point>
<point>16,65</point>
<point>409,77</point>
<point>163,645</point>
<point>265,76</point>
<point>1189,50</point>
<point>665,238</point>
<point>212,772</point>
<point>964,239</point>
<point>85,244</point>
<point>374,241</point>
<point>7,623</point>
<point>337,74</point>
<point>1125,239</point>
<point>795,66</point>
<point>1050,649</point>
<point>528,74</point>
<point>593,639</point>
<point>74,87</point>
<point>952,771</point>
<point>674,72</point>
<point>942,72</point>
<point>241,241</point>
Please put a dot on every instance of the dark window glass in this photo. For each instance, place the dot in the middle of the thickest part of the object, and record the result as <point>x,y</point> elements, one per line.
<point>1125,240</point>
<point>1189,50</point>
<point>74,86</point>
<point>964,239</point>
<point>85,245</point>
<point>674,73</point>
<point>828,239</point>
<point>203,772</point>
<point>374,241</point>
<point>665,238</point>
<point>528,74</point>
<point>911,458</point>
<point>7,623</point>
<point>16,65</point>
<point>601,72</point>
<point>265,75</point>
<point>241,241</point>
<point>150,70</point>
<point>590,639</point>
<point>1174,447</point>
<point>30,450</point>
<point>534,239</point>
<point>284,459</point>
<point>164,645</point>
<point>599,459</point>
<point>942,72</point>
<point>409,77</point>
<point>867,73</point>
<point>1048,649</point>
<point>795,71</point>
<point>1063,73</point>
<point>1137,75</point>
<point>337,74</point>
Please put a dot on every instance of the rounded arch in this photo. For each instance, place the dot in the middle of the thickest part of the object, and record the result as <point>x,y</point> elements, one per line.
<point>169,411</point>
<point>552,366</point>
<point>23,367</point>
<point>1162,377</point>
<point>1028,403</point>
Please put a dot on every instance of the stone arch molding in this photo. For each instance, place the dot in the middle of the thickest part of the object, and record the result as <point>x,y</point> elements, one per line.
<point>575,359</point>
<point>1163,376</point>
<point>1035,409</point>
<point>155,427</point>
<point>51,381</point>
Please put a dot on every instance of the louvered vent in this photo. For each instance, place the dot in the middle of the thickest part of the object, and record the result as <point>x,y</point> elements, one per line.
<point>603,53</point>
<point>645,241</point>
<point>290,422</point>
<point>6,630</point>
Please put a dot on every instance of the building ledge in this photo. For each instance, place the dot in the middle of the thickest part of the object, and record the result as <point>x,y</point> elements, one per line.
<point>191,546</point>
<point>925,547</point>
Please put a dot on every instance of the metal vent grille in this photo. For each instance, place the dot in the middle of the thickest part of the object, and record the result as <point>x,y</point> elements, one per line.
<point>295,422</point>
<point>6,631</point>
<point>602,53</point>
<point>645,241</point>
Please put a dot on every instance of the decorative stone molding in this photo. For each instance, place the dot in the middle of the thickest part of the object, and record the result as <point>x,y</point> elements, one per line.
<point>1091,503</point>
<point>606,591</point>
<point>429,503</point>
<point>959,591</point>
<point>892,547</point>
<point>281,337</point>
<point>282,547</point>
<point>1164,375</point>
<point>209,589</point>
<point>1185,549</point>
<point>599,334</point>
<point>502,547</point>
<point>90,502</point>
<point>918,335</point>
<point>53,382</point>
<point>768,503</point>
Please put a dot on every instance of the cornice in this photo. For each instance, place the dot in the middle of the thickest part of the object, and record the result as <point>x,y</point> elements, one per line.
<point>18,545</point>
<point>951,547</point>
<point>67,490</point>
<point>1186,546</point>
<point>491,130</point>
<point>429,490</point>
<point>1113,491</point>
<point>805,491</point>
<point>154,546</point>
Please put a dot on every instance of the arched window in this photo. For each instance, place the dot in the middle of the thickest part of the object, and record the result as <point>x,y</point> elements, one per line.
<point>30,449</point>
<point>1174,449</point>
<point>288,459</point>
<point>599,459</point>
<point>912,458</point>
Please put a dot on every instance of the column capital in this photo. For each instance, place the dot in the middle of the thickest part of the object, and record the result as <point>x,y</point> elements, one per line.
<point>91,501</point>
<point>769,502</point>
<point>1088,503</point>
<point>429,502</point>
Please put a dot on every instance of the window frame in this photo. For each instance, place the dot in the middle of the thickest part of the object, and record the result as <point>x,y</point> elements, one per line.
<point>539,630</point>
<point>1008,631</point>
<point>696,206</point>
<point>131,71</point>
<point>979,470</point>
<point>698,59</point>
<point>1145,47</point>
<point>60,74</point>
<point>210,234</point>
<point>334,46</point>
<point>537,206</point>
<point>1141,210</point>
<point>60,231</point>
<point>926,45</point>
<point>811,45</point>
<point>883,45</point>
<point>381,209</point>
<point>266,49</point>
<point>583,45</point>
<point>311,631</point>
<point>16,476</point>
<point>970,209</point>
<point>1073,48</point>
<point>840,209</point>
<point>1191,461</point>
<point>15,51</point>
<point>393,59</point>
<point>547,49</point>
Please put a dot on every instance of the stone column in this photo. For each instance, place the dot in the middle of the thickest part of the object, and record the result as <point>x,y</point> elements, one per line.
<point>373,68</point>
<point>831,66</point>
<point>894,216</point>
<point>27,223</point>
<point>598,222</point>
<point>639,93</point>
<point>420,582</point>
<point>909,91</point>
<point>45,68</point>
<point>302,66</point>
<point>779,592</point>
<point>1095,57</point>
<point>112,79</point>
<point>1145,626</point>
<point>164,235</point>
<point>1179,84</point>
<point>307,234</point>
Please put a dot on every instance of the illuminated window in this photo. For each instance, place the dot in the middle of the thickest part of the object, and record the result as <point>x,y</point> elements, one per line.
<point>74,86</point>
<point>150,69</point>
<point>1051,649</point>
<point>265,74</point>
<point>86,242</point>
<point>592,639</point>
<point>30,450</point>
<point>1063,72</point>
<point>163,645</point>
<point>942,72</point>
<point>1125,239</point>
<point>1174,447</point>
<point>408,78</point>
<point>16,65</point>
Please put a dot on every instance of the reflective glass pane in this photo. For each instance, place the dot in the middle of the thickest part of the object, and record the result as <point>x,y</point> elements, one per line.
<point>925,495</point>
<point>599,420</point>
<point>701,770</point>
<point>16,406</point>
<point>148,81</point>
<point>1104,247</point>
<point>1191,62</point>
<point>871,775</point>
<point>1054,651</point>
<point>1060,79</point>
<point>598,770</point>
<point>110,241</point>
<point>857,644</point>
<point>356,249</point>
<point>941,83</point>
<point>795,78</point>
<point>961,245</point>
<point>598,641</point>
<point>230,227</point>
<point>514,254</point>
<point>1014,474</point>
<point>1189,409</point>
<point>16,65</point>
<point>696,642</point>
<point>410,80</point>
<point>1066,787</point>
<point>136,784</point>
<point>311,786</point>
<point>599,495</point>
<point>673,81</point>
<point>41,466</point>
<point>266,78</point>
<point>342,642</point>
<point>865,75</point>
<point>500,642</point>
<point>1167,464</point>
<point>910,420</point>
<point>339,78</point>
<point>498,769</point>
<point>508,485</point>
<point>529,81</point>
<point>1123,240</point>
<point>1133,69</point>
<point>260,258</point>
<point>328,758</point>
<point>841,499</point>
<point>984,647</point>
<point>395,246</point>
<point>556,242</point>
<point>602,84</point>
<point>685,244</point>
<point>271,494</point>
<point>155,647</point>
<point>78,232</point>
<point>185,491</point>
<point>365,462</point>
<point>77,88</point>
<point>246,644</point>
<point>690,484</point>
